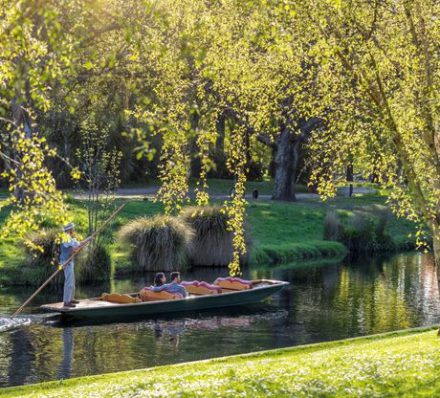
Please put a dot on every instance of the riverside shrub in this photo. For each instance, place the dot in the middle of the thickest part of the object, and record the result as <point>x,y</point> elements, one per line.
<point>160,243</point>
<point>212,241</point>
<point>363,232</point>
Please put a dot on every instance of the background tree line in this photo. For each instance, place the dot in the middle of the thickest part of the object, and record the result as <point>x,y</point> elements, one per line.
<point>222,88</point>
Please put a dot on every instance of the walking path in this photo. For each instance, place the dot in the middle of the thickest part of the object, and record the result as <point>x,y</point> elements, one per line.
<point>150,192</point>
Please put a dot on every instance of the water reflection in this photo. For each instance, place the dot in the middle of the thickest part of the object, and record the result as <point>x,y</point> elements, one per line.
<point>68,346</point>
<point>322,303</point>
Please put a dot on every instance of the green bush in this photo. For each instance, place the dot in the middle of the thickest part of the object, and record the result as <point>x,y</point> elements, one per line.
<point>362,232</point>
<point>332,226</point>
<point>212,242</point>
<point>94,264</point>
<point>160,243</point>
<point>42,257</point>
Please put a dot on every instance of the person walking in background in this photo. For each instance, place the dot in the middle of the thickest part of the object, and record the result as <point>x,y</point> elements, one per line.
<point>68,247</point>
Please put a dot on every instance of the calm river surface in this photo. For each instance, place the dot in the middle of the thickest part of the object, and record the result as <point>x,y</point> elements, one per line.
<point>322,303</point>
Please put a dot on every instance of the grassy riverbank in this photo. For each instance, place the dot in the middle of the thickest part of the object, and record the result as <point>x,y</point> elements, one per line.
<point>399,364</point>
<point>281,232</point>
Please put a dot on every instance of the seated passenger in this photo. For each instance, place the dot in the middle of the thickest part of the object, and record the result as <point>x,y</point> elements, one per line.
<point>159,279</point>
<point>173,287</point>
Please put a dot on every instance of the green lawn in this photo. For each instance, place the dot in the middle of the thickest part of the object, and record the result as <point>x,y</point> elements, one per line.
<point>399,364</point>
<point>284,232</point>
<point>281,232</point>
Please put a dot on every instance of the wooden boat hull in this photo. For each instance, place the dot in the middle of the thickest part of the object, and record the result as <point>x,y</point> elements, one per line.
<point>97,309</point>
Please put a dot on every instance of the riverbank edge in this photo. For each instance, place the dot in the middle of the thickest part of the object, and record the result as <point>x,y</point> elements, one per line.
<point>269,257</point>
<point>48,387</point>
<point>263,256</point>
<point>263,253</point>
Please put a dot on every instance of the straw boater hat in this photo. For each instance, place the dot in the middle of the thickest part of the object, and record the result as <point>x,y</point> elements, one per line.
<point>69,227</point>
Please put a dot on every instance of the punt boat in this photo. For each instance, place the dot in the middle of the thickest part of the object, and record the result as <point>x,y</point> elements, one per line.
<point>97,308</point>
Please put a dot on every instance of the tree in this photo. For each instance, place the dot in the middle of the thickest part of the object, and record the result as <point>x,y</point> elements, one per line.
<point>378,73</point>
<point>34,56</point>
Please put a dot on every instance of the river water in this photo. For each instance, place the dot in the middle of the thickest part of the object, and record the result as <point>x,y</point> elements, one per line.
<point>323,302</point>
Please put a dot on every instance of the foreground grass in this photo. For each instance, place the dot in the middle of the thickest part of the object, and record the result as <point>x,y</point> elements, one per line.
<point>403,364</point>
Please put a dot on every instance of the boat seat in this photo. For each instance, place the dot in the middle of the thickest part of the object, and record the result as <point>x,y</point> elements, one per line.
<point>201,288</point>
<point>119,298</point>
<point>147,294</point>
<point>230,283</point>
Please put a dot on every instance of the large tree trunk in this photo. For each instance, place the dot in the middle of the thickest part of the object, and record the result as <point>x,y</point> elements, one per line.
<point>286,163</point>
<point>286,151</point>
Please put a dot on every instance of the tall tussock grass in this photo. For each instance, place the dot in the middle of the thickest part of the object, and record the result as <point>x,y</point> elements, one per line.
<point>363,232</point>
<point>94,263</point>
<point>332,226</point>
<point>91,265</point>
<point>160,243</point>
<point>43,254</point>
<point>212,242</point>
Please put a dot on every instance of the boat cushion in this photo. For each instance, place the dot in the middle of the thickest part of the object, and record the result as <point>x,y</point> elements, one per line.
<point>119,298</point>
<point>147,294</point>
<point>233,283</point>
<point>201,288</point>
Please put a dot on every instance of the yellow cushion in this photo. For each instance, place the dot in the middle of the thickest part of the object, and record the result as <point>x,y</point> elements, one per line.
<point>233,285</point>
<point>119,298</point>
<point>149,295</point>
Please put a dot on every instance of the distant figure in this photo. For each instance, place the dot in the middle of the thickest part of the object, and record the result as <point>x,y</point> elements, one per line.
<point>159,279</point>
<point>173,287</point>
<point>255,193</point>
<point>68,248</point>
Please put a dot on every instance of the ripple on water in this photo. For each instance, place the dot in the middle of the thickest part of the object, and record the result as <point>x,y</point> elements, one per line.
<point>8,323</point>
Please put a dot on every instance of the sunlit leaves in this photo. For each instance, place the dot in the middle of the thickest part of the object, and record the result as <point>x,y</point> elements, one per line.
<point>376,82</point>
<point>34,197</point>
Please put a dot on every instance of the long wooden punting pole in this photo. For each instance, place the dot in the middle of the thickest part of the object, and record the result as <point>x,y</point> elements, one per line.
<point>67,261</point>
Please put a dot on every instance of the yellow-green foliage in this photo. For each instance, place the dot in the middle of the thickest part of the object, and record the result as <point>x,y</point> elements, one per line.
<point>160,243</point>
<point>402,364</point>
<point>44,246</point>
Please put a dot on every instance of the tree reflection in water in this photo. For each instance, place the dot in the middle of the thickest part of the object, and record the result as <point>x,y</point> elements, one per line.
<point>322,303</point>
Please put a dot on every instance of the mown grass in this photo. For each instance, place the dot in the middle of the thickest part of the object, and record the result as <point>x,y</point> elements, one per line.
<point>286,232</point>
<point>395,364</point>
<point>281,232</point>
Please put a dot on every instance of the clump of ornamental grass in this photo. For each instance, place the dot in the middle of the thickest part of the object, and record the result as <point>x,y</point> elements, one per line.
<point>332,226</point>
<point>94,264</point>
<point>160,243</point>
<point>212,243</point>
<point>42,255</point>
<point>363,232</point>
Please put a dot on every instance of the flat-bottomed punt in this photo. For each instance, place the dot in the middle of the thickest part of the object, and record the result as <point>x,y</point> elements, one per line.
<point>96,308</point>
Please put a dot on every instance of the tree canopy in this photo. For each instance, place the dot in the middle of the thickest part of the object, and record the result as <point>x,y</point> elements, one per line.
<point>348,82</point>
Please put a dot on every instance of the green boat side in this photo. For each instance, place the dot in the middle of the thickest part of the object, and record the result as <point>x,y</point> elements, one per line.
<point>95,308</point>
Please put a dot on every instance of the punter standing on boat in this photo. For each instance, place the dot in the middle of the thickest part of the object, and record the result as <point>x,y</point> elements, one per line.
<point>69,247</point>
